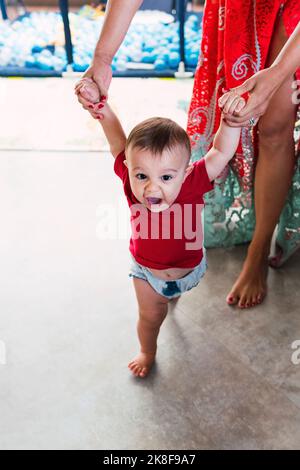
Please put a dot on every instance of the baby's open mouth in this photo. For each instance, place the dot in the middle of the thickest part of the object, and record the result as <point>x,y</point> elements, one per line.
<point>153,200</point>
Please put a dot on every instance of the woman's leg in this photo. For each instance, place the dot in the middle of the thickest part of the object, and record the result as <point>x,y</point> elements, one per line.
<point>274,171</point>
<point>153,309</point>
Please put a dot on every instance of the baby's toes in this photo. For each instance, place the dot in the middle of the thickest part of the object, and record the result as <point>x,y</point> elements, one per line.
<point>137,370</point>
<point>132,365</point>
<point>144,372</point>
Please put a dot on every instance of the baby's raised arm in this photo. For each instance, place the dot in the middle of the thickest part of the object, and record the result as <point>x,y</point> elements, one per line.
<point>225,144</point>
<point>109,121</point>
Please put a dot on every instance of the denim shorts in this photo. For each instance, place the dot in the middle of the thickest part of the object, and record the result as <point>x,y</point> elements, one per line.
<point>169,289</point>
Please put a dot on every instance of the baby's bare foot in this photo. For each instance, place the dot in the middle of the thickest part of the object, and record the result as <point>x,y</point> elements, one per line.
<point>141,364</point>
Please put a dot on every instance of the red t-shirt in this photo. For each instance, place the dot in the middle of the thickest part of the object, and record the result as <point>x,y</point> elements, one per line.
<point>173,237</point>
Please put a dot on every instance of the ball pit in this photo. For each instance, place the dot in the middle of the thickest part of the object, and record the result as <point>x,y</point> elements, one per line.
<point>36,41</point>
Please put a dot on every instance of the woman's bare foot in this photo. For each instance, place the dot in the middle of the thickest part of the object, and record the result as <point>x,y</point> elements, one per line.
<point>141,364</point>
<point>251,286</point>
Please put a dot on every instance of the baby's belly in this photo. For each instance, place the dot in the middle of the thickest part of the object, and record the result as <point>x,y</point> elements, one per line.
<point>170,274</point>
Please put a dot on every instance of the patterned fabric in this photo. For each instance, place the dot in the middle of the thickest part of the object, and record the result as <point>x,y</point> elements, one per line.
<point>235,44</point>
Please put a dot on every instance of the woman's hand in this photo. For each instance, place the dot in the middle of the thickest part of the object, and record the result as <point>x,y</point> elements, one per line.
<point>232,104</point>
<point>101,73</point>
<point>89,96</point>
<point>260,88</point>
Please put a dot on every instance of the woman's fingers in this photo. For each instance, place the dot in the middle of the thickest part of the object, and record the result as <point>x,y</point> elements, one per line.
<point>250,109</point>
<point>236,105</point>
<point>223,100</point>
<point>79,89</point>
<point>237,118</point>
<point>230,102</point>
<point>79,85</point>
<point>246,87</point>
<point>82,84</point>
<point>231,105</point>
<point>256,114</point>
<point>242,103</point>
<point>83,100</point>
<point>238,124</point>
<point>95,115</point>
<point>235,124</point>
<point>85,103</point>
<point>93,108</point>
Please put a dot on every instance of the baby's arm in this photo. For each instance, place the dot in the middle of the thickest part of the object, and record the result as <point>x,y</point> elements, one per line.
<point>113,131</point>
<point>110,123</point>
<point>224,146</point>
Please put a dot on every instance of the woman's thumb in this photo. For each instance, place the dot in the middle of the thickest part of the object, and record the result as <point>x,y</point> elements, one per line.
<point>103,92</point>
<point>246,87</point>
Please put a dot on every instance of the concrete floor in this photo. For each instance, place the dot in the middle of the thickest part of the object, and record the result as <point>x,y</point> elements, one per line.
<point>224,378</point>
<point>44,114</point>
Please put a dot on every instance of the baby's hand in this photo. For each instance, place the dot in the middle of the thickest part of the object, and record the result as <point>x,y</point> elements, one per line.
<point>89,90</point>
<point>89,93</point>
<point>231,103</point>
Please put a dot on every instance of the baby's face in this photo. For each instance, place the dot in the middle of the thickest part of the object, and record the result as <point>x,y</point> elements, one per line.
<point>156,180</point>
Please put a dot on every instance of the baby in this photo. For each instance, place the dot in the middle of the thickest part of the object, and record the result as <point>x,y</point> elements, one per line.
<point>165,193</point>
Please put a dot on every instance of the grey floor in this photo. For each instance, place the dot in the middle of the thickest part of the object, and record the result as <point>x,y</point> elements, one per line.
<point>223,379</point>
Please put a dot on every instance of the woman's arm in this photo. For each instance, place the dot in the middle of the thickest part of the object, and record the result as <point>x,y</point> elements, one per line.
<point>262,86</point>
<point>288,59</point>
<point>118,16</point>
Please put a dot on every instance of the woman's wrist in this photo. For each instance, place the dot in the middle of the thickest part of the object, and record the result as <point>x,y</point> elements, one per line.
<point>102,57</point>
<point>281,72</point>
<point>277,74</point>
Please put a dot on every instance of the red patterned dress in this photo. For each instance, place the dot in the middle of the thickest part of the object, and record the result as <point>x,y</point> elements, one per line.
<point>235,44</point>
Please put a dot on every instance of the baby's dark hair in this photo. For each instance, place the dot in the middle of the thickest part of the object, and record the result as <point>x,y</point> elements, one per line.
<point>158,134</point>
